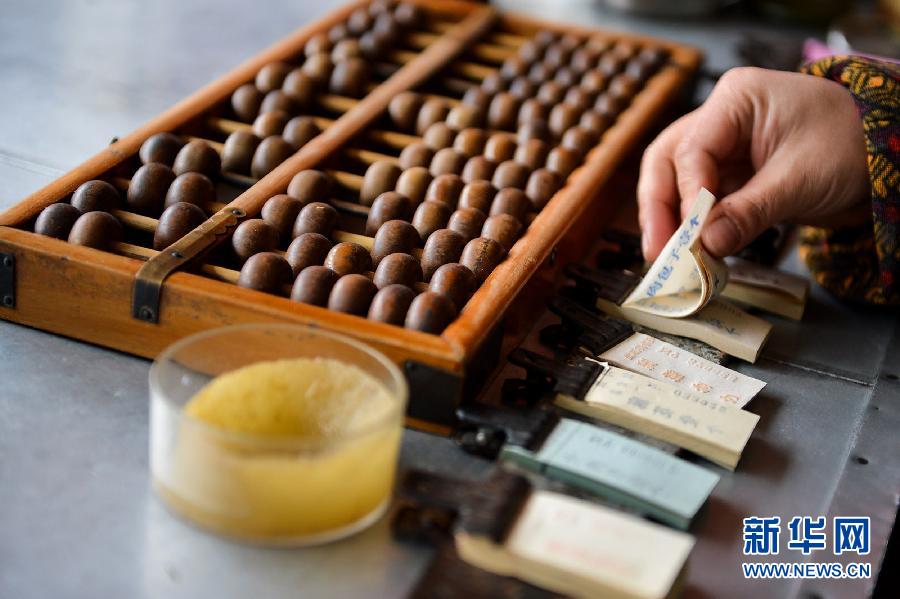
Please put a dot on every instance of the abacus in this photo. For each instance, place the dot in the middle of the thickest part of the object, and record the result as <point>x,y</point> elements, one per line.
<point>398,172</point>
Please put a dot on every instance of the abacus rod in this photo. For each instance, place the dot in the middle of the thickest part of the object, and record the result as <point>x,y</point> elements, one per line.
<point>389,138</point>
<point>487,52</point>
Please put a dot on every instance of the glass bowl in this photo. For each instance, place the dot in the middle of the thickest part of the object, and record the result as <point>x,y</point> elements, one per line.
<point>291,488</point>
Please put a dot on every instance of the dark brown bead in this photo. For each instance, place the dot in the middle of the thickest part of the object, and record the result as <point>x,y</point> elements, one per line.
<point>272,123</point>
<point>309,249</point>
<point>281,211</point>
<point>318,67</point>
<point>598,43</point>
<point>447,161</point>
<point>313,285</point>
<point>624,87</point>
<point>432,111</point>
<point>464,116</point>
<point>514,66</point>
<point>271,76</point>
<point>335,34</point>
<point>594,82</point>
<point>378,8</point>
<point>556,56</point>
<point>413,183</point>
<point>570,41</point>
<point>267,272</point>
<point>359,21</point>
<point>397,269</point>
<point>409,16</point>
<point>609,65</point>
<point>347,257</point>
<point>551,93</point>
<point>148,187</point>
<point>535,129</point>
<point>278,100</point>
<point>494,84</point>
<point>566,77</point>
<point>594,122</point>
<point>562,161</point>
<point>237,153</point>
<point>542,184</point>
<point>653,56</point>
<point>580,98</point>
<point>316,217</point>
<point>531,52</point>
<point>161,147</point>
<point>272,151</point>
<point>373,44</point>
<point>96,229</point>
<point>539,73</point>
<point>439,136</point>
<point>584,59</point>
<point>562,117</point>
<point>481,256</point>
<point>253,236</point>
<point>609,106</point>
<point>470,142</point>
<point>477,97</point>
<point>442,246</point>
<point>391,304</point>
<point>580,139</point>
<point>639,70</point>
<point>478,195</point>
<point>417,154</point>
<point>352,294</point>
<point>192,188</point>
<point>429,217</point>
<point>502,228</point>
<point>96,195</point>
<point>389,205</point>
<point>198,157</point>
<point>300,88</point>
<point>500,147</point>
<point>532,153</point>
<point>381,176</point>
<point>387,25</point>
<point>310,186</point>
<point>522,88</point>
<point>404,109</point>
<point>467,222</point>
<point>430,313</point>
<point>299,130</point>
<point>533,109</point>
<point>318,43</point>
<point>454,281</point>
<point>510,200</point>
<point>545,37</point>
<point>394,236</point>
<point>510,174</point>
<point>344,49</point>
<point>245,101</point>
<point>478,168</point>
<point>350,77</point>
<point>445,188</point>
<point>56,220</point>
<point>503,111</point>
<point>625,49</point>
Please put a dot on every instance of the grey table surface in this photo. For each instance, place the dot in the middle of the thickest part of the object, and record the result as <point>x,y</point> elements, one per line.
<point>77,515</point>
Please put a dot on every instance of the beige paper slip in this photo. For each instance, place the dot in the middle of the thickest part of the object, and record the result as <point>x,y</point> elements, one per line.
<point>633,401</point>
<point>664,362</point>
<point>768,289</point>
<point>582,549</point>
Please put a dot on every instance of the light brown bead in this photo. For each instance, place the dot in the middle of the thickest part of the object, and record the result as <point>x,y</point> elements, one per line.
<point>551,93</point>
<point>147,190</point>
<point>253,236</point>
<point>470,142</point>
<point>237,153</point>
<point>429,217</point>
<point>464,116</point>
<point>313,285</point>
<point>533,109</point>
<point>245,101</point>
<point>347,258</point>
<point>430,313</point>
<point>445,188</point>
<point>481,255</point>
<point>319,67</point>
<point>310,186</point>
<point>300,87</point>
<point>438,136</point>
<point>584,59</point>
<point>337,32</point>
<point>500,147</point>
<point>397,269</point>
<point>477,97</point>
<point>176,221</point>
<point>417,154</point>
<point>454,281</point>
<point>535,129</point>
<point>503,111</point>
<point>270,153</point>
<point>562,117</point>
<point>514,66</point>
<point>56,220</point>
<point>413,183</point>
<point>556,56</point>
<point>309,249</point>
<point>599,43</point>
<point>609,106</point>
<point>198,157</point>
<point>359,21</point>
<point>344,49</point>
<point>161,147</point>
<point>404,109</point>
<point>271,123</point>
<point>493,84</point>
<point>95,195</point>
<point>394,236</point>
<point>390,304</point>
<point>389,205</point>
<point>502,228</point>
<point>566,77</point>
<point>432,111</point>
<point>271,76</point>
<point>510,174</point>
<point>532,153</point>
<point>594,122</point>
<point>510,200</point>
<point>192,188</point>
<point>350,77</point>
<point>320,42</point>
<point>542,184</point>
<point>540,73</point>
<point>478,168</point>
<point>579,139</point>
<point>409,16</point>
<point>381,176</point>
<point>467,222</point>
<point>447,161</point>
<point>580,98</point>
<point>442,246</point>
<point>531,52</point>
<point>610,64</point>
<point>316,217</point>
<point>523,88</point>
<point>594,81</point>
<point>352,294</point>
<point>96,229</point>
<point>299,130</point>
<point>267,272</point>
<point>478,195</point>
<point>281,211</point>
<point>562,161</point>
<point>624,87</point>
<point>545,37</point>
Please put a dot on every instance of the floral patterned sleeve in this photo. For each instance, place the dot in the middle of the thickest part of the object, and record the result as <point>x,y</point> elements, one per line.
<point>864,263</point>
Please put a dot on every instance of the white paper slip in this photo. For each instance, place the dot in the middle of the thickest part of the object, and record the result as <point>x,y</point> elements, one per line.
<point>580,549</point>
<point>684,278</point>
<point>664,362</point>
<point>769,289</point>
<point>706,427</point>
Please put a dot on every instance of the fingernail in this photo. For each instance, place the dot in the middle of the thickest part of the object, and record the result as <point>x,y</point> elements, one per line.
<point>720,237</point>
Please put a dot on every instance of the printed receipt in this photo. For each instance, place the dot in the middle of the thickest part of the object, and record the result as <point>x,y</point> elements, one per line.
<point>684,278</point>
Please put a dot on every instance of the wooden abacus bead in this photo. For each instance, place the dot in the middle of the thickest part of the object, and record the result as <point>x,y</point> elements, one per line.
<point>381,176</point>
<point>447,161</point>
<point>271,152</point>
<point>382,7</point>
<point>313,285</point>
<point>344,49</point>
<point>161,147</point>
<point>404,109</point>
<point>192,188</point>
<point>359,21</point>
<point>432,111</point>
<point>389,205</point>
<point>502,228</point>
<point>545,37</point>
<point>532,153</point>
<point>539,73</point>
<point>599,43</point>
<point>551,93</point>
<point>594,122</point>
<point>237,153</point>
<point>465,116</point>
<point>417,154</point>
<point>562,161</point>
<point>387,26</point>
<point>394,236</point>
<point>280,101</point>
<point>652,55</point>
<point>610,64</point>
<point>536,129</point>
<point>481,255</point>
<point>316,217</point>
<point>397,269</point>
<point>429,217</point>
<point>609,106</point>
<point>514,66</point>
<point>309,249</point>
<point>445,188</point>
<point>300,87</point>
<point>493,84</point>
<point>266,271</point>
<point>413,183</point>
<point>557,55</point>
<point>147,190</point>
<point>430,312</point>
<point>271,123</point>
<point>198,157</point>
<point>580,98</point>
<point>352,294</point>
<point>478,195</point>
<point>310,186</point>
<point>594,81</point>
<point>503,111</point>
<point>281,211</point>
<point>562,117</point>
<point>337,32</point>
<point>299,130</point>
<point>579,139</point>
<point>500,147</point>
<point>438,136</point>
<point>253,236</point>
<point>319,67</point>
<point>510,200</point>
<point>624,87</point>
<point>56,220</point>
<point>531,52</point>
<point>467,222</point>
<point>477,97</point>
<point>96,229</point>
<point>95,195</point>
<point>454,281</point>
<point>510,174</point>
<point>625,49</point>
<point>584,59</point>
<point>566,77</point>
<point>350,77</point>
<point>320,42</point>
<point>271,76</point>
<point>373,44</point>
<point>470,142</point>
<point>347,257</point>
<point>409,16</point>
<point>245,101</point>
<point>390,304</point>
<point>533,109</point>
<point>542,184</point>
<point>442,246</point>
<point>522,88</point>
<point>478,168</point>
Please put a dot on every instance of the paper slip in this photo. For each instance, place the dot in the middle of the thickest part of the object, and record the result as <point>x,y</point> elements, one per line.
<point>775,291</point>
<point>620,469</point>
<point>664,362</point>
<point>580,549</point>
<point>684,278</point>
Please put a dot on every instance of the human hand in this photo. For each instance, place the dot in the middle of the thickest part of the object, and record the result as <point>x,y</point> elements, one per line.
<point>772,146</point>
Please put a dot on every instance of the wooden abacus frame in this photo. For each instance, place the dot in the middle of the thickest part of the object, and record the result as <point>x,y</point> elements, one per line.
<point>88,294</point>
